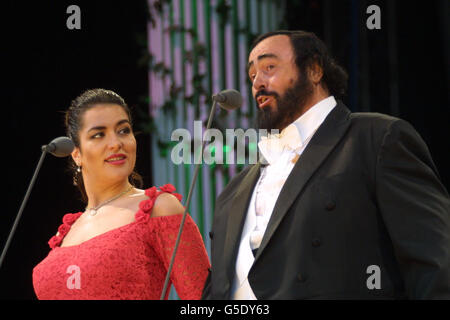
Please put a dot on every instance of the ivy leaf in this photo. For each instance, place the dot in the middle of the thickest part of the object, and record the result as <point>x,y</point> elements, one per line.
<point>223,10</point>
<point>174,91</point>
<point>146,59</point>
<point>189,99</point>
<point>168,106</point>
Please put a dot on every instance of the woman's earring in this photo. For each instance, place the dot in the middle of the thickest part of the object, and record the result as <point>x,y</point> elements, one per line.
<point>76,175</point>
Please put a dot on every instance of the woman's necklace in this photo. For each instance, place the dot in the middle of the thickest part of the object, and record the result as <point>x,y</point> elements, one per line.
<point>93,210</point>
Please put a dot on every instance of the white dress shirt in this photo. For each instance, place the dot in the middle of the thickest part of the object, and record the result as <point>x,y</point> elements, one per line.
<point>281,153</point>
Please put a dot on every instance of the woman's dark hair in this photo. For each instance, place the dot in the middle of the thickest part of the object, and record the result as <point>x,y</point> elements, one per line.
<point>308,50</point>
<point>73,123</point>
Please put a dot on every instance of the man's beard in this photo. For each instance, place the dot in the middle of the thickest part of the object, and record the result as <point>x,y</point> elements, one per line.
<point>289,106</point>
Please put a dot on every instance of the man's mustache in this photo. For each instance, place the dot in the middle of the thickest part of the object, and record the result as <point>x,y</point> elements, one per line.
<point>263,92</point>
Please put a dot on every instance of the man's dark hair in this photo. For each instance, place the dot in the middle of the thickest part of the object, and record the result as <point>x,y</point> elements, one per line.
<point>310,50</point>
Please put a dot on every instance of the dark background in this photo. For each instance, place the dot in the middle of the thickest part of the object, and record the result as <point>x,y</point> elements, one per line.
<point>44,66</point>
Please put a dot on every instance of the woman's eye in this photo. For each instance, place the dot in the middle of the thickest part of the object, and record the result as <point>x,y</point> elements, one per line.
<point>97,135</point>
<point>125,130</point>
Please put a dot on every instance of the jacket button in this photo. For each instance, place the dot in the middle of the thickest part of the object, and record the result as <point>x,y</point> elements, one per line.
<point>330,205</point>
<point>301,277</point>
<point>316,242</point>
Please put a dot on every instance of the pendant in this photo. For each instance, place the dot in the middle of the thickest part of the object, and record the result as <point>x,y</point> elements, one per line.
<point>92,212</point>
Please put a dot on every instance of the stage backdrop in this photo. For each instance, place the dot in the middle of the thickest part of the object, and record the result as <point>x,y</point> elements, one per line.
<point>196,49</point>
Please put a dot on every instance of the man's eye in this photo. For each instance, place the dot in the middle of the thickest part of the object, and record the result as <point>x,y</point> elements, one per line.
<point>270,67</point>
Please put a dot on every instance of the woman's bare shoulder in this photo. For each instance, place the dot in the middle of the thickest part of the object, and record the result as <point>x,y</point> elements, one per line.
<point>167,204</point>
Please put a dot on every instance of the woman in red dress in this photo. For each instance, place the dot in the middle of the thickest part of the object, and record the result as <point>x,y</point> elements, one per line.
<point>120,247</point>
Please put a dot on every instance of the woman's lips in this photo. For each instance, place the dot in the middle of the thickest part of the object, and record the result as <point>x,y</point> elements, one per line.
<point>116,159</point>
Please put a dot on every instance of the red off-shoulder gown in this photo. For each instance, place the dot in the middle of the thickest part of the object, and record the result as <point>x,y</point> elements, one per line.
<point>129,262</point>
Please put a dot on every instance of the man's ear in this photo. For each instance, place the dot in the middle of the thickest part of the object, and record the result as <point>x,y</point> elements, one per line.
<point>315,73</point>
<point>76,156</point>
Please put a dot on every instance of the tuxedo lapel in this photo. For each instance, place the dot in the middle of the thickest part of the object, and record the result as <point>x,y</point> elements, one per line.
<point>236,217</point>
<point>324,140</point>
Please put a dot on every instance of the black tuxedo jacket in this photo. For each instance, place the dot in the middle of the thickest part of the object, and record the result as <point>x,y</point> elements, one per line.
<point>364,194</point>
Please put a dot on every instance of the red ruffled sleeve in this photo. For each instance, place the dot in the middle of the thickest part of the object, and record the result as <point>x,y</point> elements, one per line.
<point>63,229</point>
<point>191,263</point>
<point>190,268</point>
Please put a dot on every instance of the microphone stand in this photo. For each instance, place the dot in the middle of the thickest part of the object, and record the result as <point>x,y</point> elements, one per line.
<point>188,200</point>
<point>24,201</point>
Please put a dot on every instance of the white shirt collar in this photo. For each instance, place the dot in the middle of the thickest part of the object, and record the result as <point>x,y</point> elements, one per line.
<point>311,120</point>
<point>298,132</point>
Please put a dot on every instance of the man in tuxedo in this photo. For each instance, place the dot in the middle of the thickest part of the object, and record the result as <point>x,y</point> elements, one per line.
<point>344,206</point>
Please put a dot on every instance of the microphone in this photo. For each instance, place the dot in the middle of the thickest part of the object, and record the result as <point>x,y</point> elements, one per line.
<point>229,99</point>
<point>59,147</point>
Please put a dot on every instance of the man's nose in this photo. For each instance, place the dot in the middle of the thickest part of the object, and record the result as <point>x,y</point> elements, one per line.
<point>259,82</point>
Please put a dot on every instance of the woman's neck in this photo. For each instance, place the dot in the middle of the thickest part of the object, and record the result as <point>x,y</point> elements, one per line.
<point>97,194</point>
